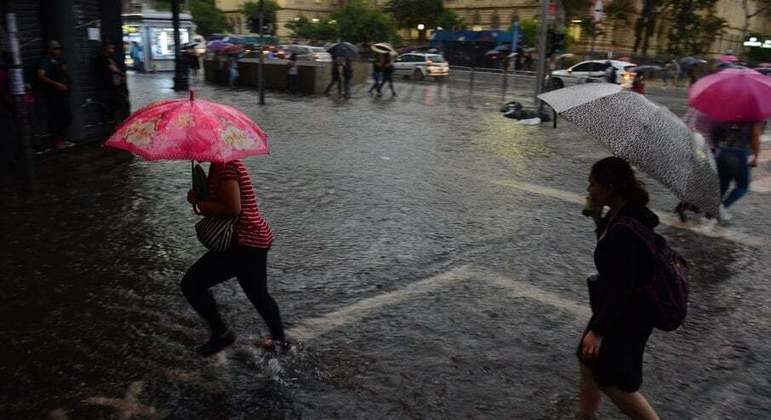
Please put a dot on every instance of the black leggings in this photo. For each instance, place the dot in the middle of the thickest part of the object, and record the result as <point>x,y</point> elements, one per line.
<point>248,264</point>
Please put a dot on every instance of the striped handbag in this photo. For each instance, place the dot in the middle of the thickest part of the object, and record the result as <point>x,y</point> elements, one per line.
<point>216,232</point>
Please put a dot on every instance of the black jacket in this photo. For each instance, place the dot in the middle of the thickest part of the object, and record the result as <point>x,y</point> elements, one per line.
<point>624,264</point>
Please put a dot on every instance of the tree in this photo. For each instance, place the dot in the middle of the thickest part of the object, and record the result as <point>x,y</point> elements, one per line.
<point>411,13</point>
<point>759,8</point>
<point>207,18</point>
<point>530,29</point>
<point>303,28</point>
<point>252,11</point>
<point>695,25</point>
<point>450,20</point>
<point>360,22</point>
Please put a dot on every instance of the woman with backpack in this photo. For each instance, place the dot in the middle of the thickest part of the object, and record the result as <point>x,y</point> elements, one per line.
<point>611,348</point>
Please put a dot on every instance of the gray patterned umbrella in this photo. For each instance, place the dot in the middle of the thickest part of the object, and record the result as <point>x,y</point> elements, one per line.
<point>647,135</point>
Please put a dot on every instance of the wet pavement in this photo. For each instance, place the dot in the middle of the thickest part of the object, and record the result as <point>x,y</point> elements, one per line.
<point>430,260</point>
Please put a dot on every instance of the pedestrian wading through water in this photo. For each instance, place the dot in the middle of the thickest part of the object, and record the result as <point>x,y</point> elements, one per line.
<point>611,349</point>
<point>229,197</point>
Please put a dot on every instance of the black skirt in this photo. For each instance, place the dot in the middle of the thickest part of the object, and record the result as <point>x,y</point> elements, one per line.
<point>620,360</point>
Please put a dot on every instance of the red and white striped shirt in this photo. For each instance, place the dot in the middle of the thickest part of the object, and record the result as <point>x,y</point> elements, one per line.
<point>251,230</point>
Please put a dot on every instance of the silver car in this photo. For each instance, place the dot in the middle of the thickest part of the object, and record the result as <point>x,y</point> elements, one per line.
<point>592,71</point>
<point>306,52</point>
<point>418,66</point>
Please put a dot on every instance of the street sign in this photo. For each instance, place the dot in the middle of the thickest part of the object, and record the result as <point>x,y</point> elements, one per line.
<point>598,12</point>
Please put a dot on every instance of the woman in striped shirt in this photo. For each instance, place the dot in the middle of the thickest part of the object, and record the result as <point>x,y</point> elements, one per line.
<point>231,194</point>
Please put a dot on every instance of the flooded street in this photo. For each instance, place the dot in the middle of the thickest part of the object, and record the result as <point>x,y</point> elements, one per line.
<point>430,259</point>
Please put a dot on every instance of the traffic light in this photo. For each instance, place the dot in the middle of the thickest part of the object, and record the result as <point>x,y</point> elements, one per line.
<point>555,42</point>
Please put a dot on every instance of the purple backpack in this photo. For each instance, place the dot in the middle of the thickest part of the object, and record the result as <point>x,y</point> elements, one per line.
<point>668,290</point>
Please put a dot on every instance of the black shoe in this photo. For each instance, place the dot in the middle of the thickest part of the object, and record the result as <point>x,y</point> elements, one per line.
<point>216,344</point>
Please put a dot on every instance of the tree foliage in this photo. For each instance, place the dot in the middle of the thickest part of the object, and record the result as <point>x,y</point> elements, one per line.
<point>359,22</point>
<point>208,18</point>
<point>355,22</point>
<point>695,25</point>
<point>529,29</point>
<point>411,13</point>
<point>252,11</point>
<point>450,20</point>
<point>314,31</point>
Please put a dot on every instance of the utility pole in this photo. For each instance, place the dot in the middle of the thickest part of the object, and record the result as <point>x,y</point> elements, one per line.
<point>180,69</point>
<point>541,68</point>
<point>260,69</point>
<point>16,87</point>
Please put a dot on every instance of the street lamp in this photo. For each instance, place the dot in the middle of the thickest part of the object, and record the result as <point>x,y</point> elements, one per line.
<point>421,26</point>
<point>180,69</point>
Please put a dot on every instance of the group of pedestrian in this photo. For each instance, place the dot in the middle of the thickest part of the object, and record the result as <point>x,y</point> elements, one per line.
<point>382,73</point>
<point>342,77</point>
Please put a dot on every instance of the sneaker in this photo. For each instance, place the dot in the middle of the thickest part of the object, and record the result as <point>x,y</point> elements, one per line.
<point>216,344</point>
<point>724,215</point>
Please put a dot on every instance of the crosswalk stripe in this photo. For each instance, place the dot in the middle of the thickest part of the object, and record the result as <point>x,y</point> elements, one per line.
<point>309,329</point>
<point>518,288</point>
<point>664,217</point>
<point>312,328</point>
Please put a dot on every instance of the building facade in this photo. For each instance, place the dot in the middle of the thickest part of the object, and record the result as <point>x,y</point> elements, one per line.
<point>80,26</point>
<point>290,10</point>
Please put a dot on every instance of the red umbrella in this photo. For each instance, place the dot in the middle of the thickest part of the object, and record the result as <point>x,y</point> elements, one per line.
<point>733,95</point>
<point>189,129</point>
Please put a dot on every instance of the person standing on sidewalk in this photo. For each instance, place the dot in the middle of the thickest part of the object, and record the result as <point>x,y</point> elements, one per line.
<point>335,78</point>
<point>230,193</point>
<point>611,349</point>
<point>347,77</point>
<point>55,82</point>
<point>292,74</point>
<point>735,142</point>
<point>112,81</point>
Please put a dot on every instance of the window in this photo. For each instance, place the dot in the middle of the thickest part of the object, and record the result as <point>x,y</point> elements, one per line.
<point>584,67</point>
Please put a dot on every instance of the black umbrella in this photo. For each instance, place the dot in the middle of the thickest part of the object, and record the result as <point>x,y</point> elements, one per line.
<point>343,49</point>
<point>691,61</point>
<point>647,69</point>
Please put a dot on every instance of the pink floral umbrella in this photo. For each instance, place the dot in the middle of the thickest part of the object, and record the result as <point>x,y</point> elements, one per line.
<point>733,95</point>
<point>189,129</point>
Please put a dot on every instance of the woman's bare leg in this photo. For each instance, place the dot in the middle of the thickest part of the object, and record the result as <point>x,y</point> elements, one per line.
<point>588,394</point>
<point>633,404</point>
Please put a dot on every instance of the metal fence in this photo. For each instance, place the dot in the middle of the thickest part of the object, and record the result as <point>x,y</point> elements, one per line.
<point>504,85</point>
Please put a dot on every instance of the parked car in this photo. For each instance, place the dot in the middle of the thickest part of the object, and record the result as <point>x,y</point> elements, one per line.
<point>421,65</point>
<point>592,71</point>
<point>306,52</point>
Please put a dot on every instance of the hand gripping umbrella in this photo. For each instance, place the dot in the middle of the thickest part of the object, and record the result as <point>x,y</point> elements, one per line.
<point>647,135</point>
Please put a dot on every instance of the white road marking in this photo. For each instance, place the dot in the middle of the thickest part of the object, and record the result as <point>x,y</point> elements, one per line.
<point>315,327</point>
<point>129,407</point>
<point>518,288</point>
<point>713,231</point>
<point>310,329</point>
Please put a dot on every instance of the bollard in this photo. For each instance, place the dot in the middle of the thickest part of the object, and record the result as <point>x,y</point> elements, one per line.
<point>471,89</point>
<point>505,85</point>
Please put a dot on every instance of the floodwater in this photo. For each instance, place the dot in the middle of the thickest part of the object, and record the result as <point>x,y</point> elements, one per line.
<point>429,262</point>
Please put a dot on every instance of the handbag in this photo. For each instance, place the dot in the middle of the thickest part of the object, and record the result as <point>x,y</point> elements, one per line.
<point>216,233</point>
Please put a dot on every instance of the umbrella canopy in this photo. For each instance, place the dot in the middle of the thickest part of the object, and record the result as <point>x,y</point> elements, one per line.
<point>691,61</point>
<point>189,129</point>
<point>188,45</point>
<point>647,69</point>
<point>343,49</point>
<point>217,45</point>
<point>384,48</point>
<point>733,95</point>
<point>566,55</point>
<point>728,58</point>
<point>647,135</point>
<point>230,39</point>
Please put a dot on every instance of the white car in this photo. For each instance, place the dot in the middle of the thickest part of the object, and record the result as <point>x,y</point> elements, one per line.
<point>421,65</point>
<point>592,71</point>
<point>306,52</point>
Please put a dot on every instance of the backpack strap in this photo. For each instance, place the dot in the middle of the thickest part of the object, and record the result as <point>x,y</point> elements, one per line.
<point>643,232</point>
